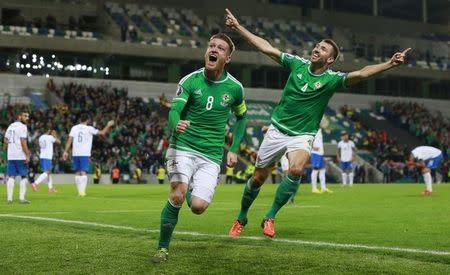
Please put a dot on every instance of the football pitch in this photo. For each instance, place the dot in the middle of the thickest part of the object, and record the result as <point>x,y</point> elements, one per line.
<point>366,229</point>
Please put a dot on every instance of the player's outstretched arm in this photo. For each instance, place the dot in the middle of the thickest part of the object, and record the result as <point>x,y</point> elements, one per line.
<point>106,129</point>
<point>396,60</point>
<point>261,44</point>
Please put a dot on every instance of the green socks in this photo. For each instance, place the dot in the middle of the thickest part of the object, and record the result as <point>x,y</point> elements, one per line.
<point>169,219</point>
<point>288,186</point>
<point>250,194</point>
<point>189,197</point>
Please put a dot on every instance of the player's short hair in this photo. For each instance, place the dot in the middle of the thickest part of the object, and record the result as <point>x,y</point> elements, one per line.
<point>21,110</point>
<point>84,117</point>
<point>334,45</point>
<point>225,38</point>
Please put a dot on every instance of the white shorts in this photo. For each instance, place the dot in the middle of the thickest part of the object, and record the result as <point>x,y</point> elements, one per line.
<point>275,144</point>
<point>199,173</point>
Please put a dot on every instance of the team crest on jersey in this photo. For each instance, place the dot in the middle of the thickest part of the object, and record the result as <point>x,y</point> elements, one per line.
<point>198,92</point>
<point>317,85</point>
<point>179,90</point>
<point>225,99</point>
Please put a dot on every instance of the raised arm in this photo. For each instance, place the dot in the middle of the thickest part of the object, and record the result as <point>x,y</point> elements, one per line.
<point>108,126</point>
<point>261,44</point>
<point>396,60</point>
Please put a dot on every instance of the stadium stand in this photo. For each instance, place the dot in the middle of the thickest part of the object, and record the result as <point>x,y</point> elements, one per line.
<point>168,26</point>
<point>432,128</point>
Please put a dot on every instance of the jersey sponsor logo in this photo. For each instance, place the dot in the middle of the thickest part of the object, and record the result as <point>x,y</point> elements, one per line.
<point>198,92</point>
<point>179,90</point>
<point>317,85</point>
<point>171,163</point>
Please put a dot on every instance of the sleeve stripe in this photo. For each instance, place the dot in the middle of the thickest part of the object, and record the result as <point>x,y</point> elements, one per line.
<point>343,81</point>
<point>236,81</point>
<point>179,98</point>
<point>187,76</point>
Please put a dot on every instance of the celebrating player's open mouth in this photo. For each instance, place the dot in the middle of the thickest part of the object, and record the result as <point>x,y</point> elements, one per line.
<point>315,56</point>
<point>212,60</point>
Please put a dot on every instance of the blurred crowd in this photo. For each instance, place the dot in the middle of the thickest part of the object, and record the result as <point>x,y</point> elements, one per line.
<point>391,156</point>
<point>138,141</point>
<point>432,127</point>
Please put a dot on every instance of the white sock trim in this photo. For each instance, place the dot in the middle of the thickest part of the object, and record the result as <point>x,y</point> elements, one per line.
<point>22,188</point>
<point>314,179</point>
<point>322,179</point>
<point>428,181</point>
<point>41,178</point>
<point>10,188</point>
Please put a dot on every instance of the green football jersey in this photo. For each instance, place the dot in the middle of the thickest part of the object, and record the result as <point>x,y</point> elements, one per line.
<point>208,105</point>
<point>304,97</point>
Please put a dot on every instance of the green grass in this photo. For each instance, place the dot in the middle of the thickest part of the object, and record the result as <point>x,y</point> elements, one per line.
<point>372,215</point>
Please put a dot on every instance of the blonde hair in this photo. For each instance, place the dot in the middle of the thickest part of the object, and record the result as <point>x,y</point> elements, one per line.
<point>225,38</point>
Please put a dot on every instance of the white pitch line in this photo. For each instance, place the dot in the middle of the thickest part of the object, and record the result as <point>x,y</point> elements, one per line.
<point>188,233</point>
<point>126,211</point>
<point>40,213</point>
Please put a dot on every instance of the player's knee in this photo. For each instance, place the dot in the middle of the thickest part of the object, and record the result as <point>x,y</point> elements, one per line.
<point>177,198</point>
<point>257,180</point>
<point>197,209</point>
<point>296,170</point>
<point>198,206</point>
<point>259,177</point>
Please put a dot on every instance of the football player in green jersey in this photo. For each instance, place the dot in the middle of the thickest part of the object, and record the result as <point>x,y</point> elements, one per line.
<point>198,118</point>
<point>296,118</point>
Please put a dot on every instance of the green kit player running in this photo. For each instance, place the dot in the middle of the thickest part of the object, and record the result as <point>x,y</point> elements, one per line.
<point>297,116</point>
<point>198,118</point>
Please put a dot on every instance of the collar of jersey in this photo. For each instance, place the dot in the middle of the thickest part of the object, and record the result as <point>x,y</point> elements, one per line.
<point>309,70</point>
<point>223,77</point>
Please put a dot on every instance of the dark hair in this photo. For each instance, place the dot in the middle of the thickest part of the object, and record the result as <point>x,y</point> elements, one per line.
<point>334,45</point>
<point>225,38</point>
<point>84,117</point>
<point>21,110</point>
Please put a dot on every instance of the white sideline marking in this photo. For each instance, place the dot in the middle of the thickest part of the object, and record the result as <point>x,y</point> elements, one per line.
<point>125,211</point>
<point>188,233</point>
